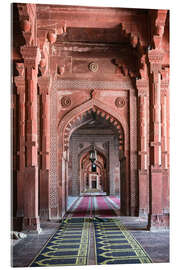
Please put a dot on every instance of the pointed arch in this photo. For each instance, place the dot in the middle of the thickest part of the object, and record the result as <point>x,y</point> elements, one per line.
<point>65,126</point>
<point>87,149</point>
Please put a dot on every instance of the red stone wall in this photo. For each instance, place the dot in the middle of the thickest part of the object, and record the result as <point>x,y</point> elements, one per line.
<point>110,64</point>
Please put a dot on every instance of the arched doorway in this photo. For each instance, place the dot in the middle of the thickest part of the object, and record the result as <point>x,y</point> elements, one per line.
<point>93,176</point>
<point>92,113</point>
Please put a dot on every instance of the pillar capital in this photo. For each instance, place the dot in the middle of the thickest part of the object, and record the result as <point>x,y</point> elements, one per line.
<point>155,58</point>
<point>20,84</point>
<point>31,55</point>
<point>44,85</point>
<point>142,86</point>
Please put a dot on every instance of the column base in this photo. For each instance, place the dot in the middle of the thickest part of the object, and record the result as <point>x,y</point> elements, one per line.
<point>158,222</point>
<point>54,214</point>
<point>31,224</point>
<point>143,213</point>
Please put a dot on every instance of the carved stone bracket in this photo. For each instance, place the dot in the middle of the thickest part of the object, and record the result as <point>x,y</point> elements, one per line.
<point>27,14</point>
<point>159,24</point>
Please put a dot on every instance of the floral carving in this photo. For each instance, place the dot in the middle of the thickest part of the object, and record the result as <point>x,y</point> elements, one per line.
<point>65,101</point>
<point>120,102</point>
<point>93,67</point>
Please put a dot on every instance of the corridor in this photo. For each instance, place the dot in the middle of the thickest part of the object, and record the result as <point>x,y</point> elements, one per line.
<point>90,135</point>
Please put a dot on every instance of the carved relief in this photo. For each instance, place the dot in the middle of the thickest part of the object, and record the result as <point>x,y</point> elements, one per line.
<point>120,102</point>
<point>20,69</point>
<point>93,67</point>
<point>65,101</point>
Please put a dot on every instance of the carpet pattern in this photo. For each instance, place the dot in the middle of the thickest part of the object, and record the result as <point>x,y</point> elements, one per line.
<point>68,246</point>
<point>115,201</point>
<point>103,208</point>
<point>89,206</point>
<point>115,245</point>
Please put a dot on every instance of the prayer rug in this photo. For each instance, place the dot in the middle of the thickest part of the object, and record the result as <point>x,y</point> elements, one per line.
<point>115,200</point>
<point>115,245</point>
<point>68,246</point>
<point>102,207</point>
<point>82,208</point>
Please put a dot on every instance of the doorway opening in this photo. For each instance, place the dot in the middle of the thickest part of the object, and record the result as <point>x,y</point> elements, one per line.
<point>97,128</point>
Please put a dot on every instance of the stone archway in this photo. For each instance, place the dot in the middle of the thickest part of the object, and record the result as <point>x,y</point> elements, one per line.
<point>101,164</point>
<point>73,120</point>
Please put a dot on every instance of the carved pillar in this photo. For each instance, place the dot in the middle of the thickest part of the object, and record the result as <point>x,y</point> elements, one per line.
<point>44,145</point>
<point>143,106</point>
<point>75,169</point>
<point>164,129</point>
<point>111,168</point>
<point>133,153</point>
<point>165,143</point>
<point>66,180</point>
<point>156,218</point>
<point>20,84</point>
<point>62,194</point>
<point>31,57</point>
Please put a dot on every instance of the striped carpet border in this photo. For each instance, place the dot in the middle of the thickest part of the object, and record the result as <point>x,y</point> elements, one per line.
<point>115,245</point>
<point>68,246</point>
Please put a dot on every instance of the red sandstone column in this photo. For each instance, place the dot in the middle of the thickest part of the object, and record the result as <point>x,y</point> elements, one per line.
<point>62,185</point>
<point>31,219</point>
<point>66,182</point>
<point>44,84</point>
<point>142,86</point>
<point>20,84</point>
<point>156,218</point>
<point>165,140</point>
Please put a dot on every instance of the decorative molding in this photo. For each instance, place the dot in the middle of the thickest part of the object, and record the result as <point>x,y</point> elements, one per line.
<point>142,83</point>
<point>155,56</point>
<point>53,199</point>
<point>85,84</point>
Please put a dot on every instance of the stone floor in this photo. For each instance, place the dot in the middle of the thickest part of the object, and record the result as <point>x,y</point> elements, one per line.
<point>156,244</point>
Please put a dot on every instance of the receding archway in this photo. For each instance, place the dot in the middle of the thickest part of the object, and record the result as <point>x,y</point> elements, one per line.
<point>86,174</point>
<point>74,120</point>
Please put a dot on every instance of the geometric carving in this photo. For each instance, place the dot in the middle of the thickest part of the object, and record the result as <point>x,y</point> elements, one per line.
<point>65,101</point>
<point>85,84</point>
<point>120,102</point>
<point>93,67</point>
